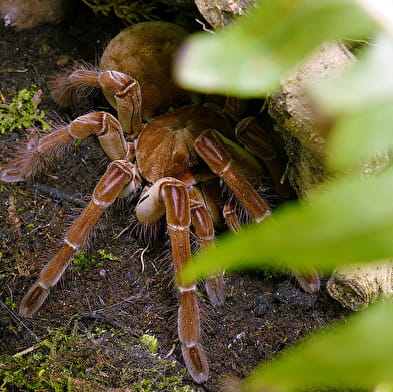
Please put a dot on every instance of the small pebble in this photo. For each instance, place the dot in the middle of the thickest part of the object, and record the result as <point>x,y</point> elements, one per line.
<point>261,305</point>
<point>102,273</point>
<point>288,294</point>
<point>239,336</point>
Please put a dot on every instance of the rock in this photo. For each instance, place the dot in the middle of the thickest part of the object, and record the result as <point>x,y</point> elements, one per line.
<point>220,13</point>
<point>288,294</point>
<point>25,14</point>
<point>358,285</point>
<point>262,305</point>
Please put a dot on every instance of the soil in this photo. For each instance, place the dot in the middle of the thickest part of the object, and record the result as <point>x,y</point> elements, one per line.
<point>264,313</point>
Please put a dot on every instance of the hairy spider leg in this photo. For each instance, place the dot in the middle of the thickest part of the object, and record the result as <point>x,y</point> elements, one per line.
<point>213,148</point>
<point>231,216</point>
<point>122,91</point>
<point>170,196</point>
<point>53,146</point>
<point>111,184</point>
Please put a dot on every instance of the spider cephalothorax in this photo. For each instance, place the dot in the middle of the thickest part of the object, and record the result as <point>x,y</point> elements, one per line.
<point>176,159</point>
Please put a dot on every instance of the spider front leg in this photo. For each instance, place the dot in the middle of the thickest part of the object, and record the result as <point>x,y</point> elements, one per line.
<point>115,179</point>
<point>122,91</point>
<point>41,153</point>
<point>170,196</point>
<point>215,150</point>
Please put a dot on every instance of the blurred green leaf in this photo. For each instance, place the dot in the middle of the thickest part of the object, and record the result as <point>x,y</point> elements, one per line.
<point>350,220</point>
<point>252,57</point>
<point>354,354</point>
<point>361,135</point>
<point>369,81</point>
<point>361,99</point>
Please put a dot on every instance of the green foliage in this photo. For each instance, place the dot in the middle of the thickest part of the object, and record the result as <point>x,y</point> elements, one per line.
<point>68,360</point>
<point>45,369</point>
<point>274,38</point>
<point>338,225</point>
<point>349,219</point>
<point>150,341</point>
<point>83,261</point>
<point>104,255</point>
<point>8,302</point>
<point>22,112</point>
<point>361,100</point>
<point>151,379</point>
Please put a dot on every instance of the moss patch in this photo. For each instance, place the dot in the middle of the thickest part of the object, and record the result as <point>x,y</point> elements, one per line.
<point>98,360</point>
<point>22,112</point>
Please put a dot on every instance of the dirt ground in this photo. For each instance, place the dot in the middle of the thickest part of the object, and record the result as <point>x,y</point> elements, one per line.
<point>264,313</point>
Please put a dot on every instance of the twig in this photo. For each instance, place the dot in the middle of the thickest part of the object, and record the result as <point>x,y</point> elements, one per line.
<point>58,194</point>
<point>128,299</point>
<point>170,351</point>
<point>27,350</point>
<point>142,258</point>
<point>13,314</point>
<point>104,319</point>
<point>116,236</point>
<point>204,27</point>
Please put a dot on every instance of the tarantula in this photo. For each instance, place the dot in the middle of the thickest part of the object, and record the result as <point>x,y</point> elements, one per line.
<point>176,160</point>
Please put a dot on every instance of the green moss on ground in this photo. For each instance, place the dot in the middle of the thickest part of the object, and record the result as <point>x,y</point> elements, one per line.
<point>22,112</point>
<point>99,360</point>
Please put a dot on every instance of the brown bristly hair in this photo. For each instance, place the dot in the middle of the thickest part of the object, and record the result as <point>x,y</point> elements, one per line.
<point>78,84</point>
<point>30,161</point>
<point>146,234</point>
